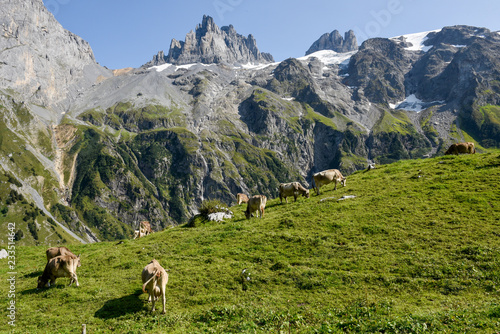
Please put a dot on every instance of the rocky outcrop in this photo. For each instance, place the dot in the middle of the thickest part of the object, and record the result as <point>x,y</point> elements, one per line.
<point>378,70</point>
<point>334,41</point>
<point>209,44</point>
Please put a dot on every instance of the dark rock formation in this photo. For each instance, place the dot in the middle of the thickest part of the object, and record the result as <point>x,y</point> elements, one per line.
<point>333,41</point>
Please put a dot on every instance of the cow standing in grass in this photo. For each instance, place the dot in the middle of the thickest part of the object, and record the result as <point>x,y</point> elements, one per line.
<point>328,176</point>
<point>292,189</point>
<point>241,198</point>
<point>155,279</point>
<point>256,203</point>
<point>145,228</point>
<point>59,266</point>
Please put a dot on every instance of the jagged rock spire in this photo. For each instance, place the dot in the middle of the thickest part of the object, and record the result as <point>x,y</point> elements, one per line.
<point>334,41</point>
<point>210,44</point>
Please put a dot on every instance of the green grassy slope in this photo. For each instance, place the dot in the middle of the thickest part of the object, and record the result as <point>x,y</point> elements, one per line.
<point>417,250</point>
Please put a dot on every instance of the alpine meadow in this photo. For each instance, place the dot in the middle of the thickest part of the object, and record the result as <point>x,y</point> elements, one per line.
<point>415,251</point>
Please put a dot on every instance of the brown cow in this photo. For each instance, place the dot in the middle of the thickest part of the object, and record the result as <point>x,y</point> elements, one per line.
<point>154,279</point>
<point>292,189</point>
<point>241,198</point>
<point>257,202</point>
<point>327,176</point>
<point>59,266</point>
<point>466,148</point>
<point>145,228</point>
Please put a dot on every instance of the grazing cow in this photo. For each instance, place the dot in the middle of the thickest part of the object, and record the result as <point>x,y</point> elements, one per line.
<point>59,266</point>
<point>241,198</point>
<point>139,234</point>
<point>327,176</point>
<point>154,279</point>
<point>466,148</point>
<point>257,202</point>
<point>145,228</point>
<point>292,189</point>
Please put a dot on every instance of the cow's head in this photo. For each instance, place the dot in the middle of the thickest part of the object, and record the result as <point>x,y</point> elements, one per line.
<point>343,181</point>
<point>306,193</point>
<point>42,283</point>
<point>248,214</point>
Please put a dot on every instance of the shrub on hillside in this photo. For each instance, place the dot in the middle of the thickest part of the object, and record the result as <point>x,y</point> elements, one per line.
<point>207,208</point>
<point>211,206</point>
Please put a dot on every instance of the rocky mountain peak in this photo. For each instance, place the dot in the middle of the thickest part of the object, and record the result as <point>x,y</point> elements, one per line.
<point>207,25</point>
<point>334,41</point>
<point>460,35</point>
<point>210,44</point>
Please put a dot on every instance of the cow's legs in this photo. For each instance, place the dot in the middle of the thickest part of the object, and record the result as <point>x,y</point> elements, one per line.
<point>163,299</point>
<point>153,301</point>
<point>76,279</point>
<point>73,278</point>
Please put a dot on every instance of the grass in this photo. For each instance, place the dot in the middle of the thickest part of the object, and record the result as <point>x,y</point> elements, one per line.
<point>416,251</point>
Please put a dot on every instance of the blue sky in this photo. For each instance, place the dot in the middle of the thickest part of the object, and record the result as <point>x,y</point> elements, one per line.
<point>125,33</point>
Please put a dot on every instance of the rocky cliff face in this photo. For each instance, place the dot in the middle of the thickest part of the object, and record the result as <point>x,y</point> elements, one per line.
<point>209,44</point>
<point>153,143</point>
<point>334,41</point>
<point>42,61</point>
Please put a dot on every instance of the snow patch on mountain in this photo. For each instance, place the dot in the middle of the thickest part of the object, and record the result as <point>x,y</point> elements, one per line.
<point>172,68</point>
<point>329,57</point>
<point>412,103</point>
<point>415,41</point>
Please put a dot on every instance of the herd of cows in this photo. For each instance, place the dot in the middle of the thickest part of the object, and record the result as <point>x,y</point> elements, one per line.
<point>61,262</point>
<point>295,189</point>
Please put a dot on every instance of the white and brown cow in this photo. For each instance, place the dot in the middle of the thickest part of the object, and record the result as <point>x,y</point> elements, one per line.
<point>328,176</point>
<point>459,148</point>
<point>139,234</point>
<point>256,203</point>
<point>154,279</point>
<point>59,266</point>
<point>292,189</point>
<point>241,198</point>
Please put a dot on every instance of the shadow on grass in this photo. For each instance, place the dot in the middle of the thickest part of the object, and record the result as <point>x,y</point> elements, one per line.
<point>61,285</point>
<point>33,274</point>
<point>32,291</point>
<point>118,307</point>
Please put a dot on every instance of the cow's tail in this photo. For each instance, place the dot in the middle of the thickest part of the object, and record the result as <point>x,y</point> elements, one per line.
<point>156,273</point>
